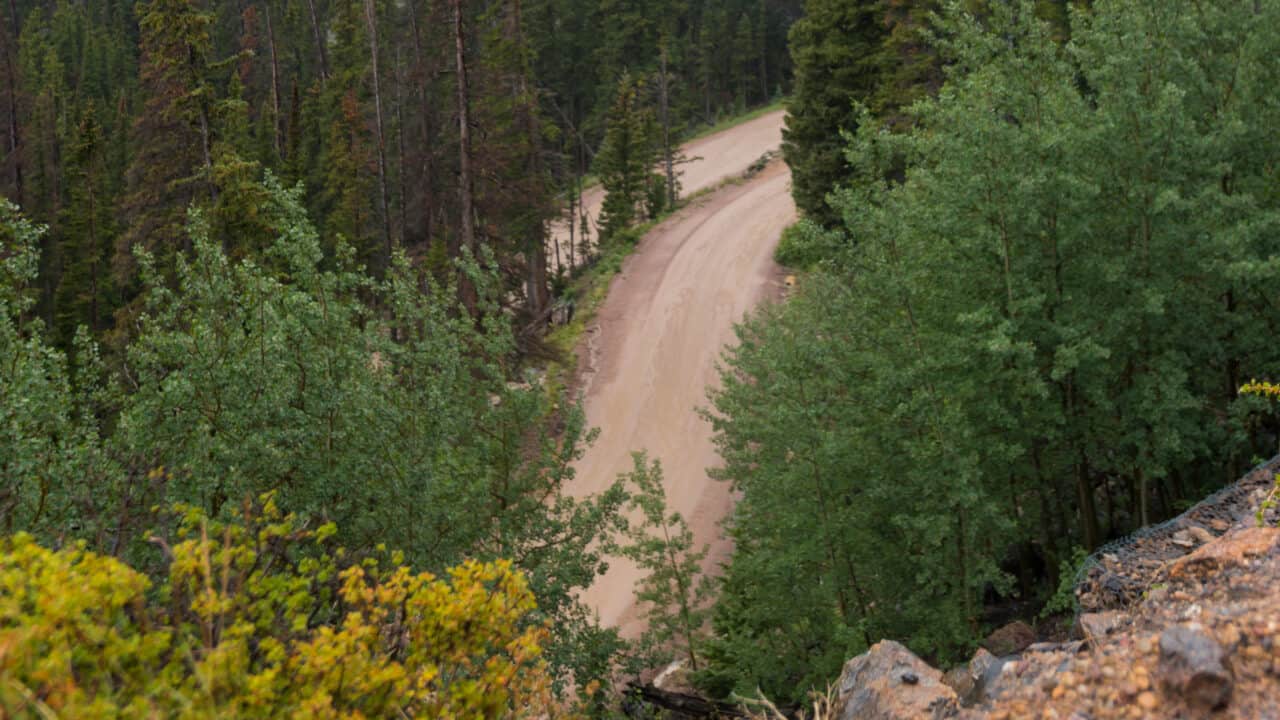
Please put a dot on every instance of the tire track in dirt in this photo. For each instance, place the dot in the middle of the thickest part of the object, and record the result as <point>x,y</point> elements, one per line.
<point>651,355</point>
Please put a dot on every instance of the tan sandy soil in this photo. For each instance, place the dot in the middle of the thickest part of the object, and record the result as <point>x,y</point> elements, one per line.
<point>712,159</point>
<point>651,355</point>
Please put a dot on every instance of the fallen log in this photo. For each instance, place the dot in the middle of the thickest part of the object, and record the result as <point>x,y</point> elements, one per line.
<point>679,706</point>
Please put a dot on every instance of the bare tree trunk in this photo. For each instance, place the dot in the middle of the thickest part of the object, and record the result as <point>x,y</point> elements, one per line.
<point>320,41</point>
<point>537,292</point>
<point>371,16</point>
<point>206,146</point>
<point>275,81</point>
<point>400,186</point>
<point>573,196</point>
<point>15,143</point>
<point>764,75</point>
<point>428,188</point>
<point>467,231</point>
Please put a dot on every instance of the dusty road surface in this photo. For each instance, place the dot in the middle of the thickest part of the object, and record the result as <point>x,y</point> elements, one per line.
<point>724,154</point>
<point>651,355</point>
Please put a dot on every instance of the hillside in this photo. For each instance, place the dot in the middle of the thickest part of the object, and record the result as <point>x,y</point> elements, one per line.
<point>1194,636</point>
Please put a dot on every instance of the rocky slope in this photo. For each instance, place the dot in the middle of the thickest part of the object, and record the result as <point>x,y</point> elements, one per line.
<point>1180,622</point>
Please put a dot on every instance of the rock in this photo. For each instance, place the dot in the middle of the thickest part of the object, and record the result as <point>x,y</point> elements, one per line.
<point>1230,550</point>
<point>961,682</point>
<point>1191,536</point>
<point>1193,665</point>
<point>1201,535</point>
<point>1071,647</point>
<point>981,662</point>
<point>1012,638</point>
<point>1096,626</point>
<point>968,680</point>
<point>888,682</point>
<point>1000,677</point>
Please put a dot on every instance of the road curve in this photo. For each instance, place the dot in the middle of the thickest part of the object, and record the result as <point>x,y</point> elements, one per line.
<point>710,159</point>
<point>650,357</point>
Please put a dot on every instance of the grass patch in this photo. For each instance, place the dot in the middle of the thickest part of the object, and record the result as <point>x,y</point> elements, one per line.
<point>804,246</point>
<point>587,290</point>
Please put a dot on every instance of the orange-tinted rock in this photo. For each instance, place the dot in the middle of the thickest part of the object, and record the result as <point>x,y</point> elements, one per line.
<point>888,682</point>
<point>1229,550</point>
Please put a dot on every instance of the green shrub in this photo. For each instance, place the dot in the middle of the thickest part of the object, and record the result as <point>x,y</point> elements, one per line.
<point>263,618</point>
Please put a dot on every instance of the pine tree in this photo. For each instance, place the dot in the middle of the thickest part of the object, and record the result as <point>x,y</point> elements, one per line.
<point>835,49</point>
<point>173,137</point>
<point>627,157</point>
<point>85,290</point>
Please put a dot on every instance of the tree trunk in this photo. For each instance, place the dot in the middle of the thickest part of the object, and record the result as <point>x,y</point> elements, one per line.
<point>428,166</point>
<point>537,293</point>
<point>400,186</point>
<point>573,218</point>
<point>320,41</point>
<point>206,147</point>
<point>275,81</point>
<point>11,41</point>
<point>96,252</point>
<point>371,17</point>
<point>466,193</point>
<point>1088,509</point>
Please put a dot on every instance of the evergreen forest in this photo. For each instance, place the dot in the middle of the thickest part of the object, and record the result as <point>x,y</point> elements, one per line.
<point>284,427</point>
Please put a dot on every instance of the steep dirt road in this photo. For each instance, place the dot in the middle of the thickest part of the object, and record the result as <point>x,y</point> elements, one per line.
<point>712,159</point>
<point>651,355</point>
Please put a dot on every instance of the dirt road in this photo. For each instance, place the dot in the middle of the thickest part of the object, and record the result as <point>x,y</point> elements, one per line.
<point>712,159</point>
<point>651,355</point>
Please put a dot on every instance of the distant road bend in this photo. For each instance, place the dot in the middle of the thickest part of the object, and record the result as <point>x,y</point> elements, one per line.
<point>650,356</point>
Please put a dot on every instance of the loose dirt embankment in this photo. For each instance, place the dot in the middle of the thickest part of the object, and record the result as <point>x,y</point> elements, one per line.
<point>650,356</point>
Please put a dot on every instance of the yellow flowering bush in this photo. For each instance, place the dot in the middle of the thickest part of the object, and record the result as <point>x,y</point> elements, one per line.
<point>262,618</point>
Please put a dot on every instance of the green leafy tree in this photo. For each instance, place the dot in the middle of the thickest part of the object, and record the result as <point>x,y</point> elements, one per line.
<point>674,592</point>
<point>997,370</point>
<point>400,421</point>
<point>52,468</point>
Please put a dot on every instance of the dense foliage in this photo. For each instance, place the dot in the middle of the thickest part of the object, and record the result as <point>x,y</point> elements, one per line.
<point>301,247</point>
<point>878,54</point>
<point>261,617</point>
<point>380,404</point>
<point>1031,339</point>
<point>427,127</point>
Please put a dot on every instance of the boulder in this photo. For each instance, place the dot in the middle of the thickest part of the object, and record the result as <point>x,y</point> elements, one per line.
<point>1009,639</point>
<point>888,682</point>
<point>1193,665</point>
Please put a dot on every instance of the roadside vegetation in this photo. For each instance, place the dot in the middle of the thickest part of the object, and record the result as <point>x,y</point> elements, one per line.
<point>1032,299</point>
